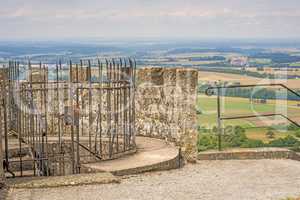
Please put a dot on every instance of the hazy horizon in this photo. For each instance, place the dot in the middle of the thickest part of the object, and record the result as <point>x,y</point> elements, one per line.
<point>141,19</point>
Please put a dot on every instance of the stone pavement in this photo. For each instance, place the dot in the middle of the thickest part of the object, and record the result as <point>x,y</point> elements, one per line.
<point>60,181</point>
<point>207,180</point>
<point>152,154</point>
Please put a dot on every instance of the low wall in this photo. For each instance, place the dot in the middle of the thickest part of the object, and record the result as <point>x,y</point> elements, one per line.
<point>249,154</point>
<point>166,106</point>
<point>175,163</point>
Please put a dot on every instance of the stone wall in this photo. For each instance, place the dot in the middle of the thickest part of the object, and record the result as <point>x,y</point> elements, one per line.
<point>249,154</point>
<point>1,158</point>
<point>37,75</point>
<point>166,106</point>
<point>2,75</point>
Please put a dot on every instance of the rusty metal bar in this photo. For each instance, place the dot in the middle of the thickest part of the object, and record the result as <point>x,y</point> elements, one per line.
<point>70,98</point>
<point>89,77</point>
<point>35,115</point>
<point>77,116</point>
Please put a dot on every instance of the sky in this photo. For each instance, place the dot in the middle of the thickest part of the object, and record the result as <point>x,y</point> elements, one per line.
<point>194,19</point>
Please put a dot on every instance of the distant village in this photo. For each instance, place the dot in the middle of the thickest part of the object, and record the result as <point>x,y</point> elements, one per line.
<point>241,61</point>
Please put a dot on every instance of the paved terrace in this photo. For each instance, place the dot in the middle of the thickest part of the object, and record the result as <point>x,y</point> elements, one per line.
<point>152,154</point>
<point>207,180</point>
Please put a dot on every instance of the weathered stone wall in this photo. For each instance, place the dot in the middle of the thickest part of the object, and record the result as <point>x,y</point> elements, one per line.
<point>1,159</point>
<point>3,76</point>
<point>83,73</point>
<point>166,106</point>
<point>247,154</point>
<point>37,75</point>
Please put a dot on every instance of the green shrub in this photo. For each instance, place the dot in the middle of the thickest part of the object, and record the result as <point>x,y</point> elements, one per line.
<point>239,130</point>
<point>295,148</point>
<point>288,141</point>
<point>250,143</point>
<point>198,111</point>
<point>229,130</point>
<point>297,134</point>
<point>293,127</point>
<point>235,139</point>
<point>206,142</point>
<point>270,134</point>
<point>215,129</point>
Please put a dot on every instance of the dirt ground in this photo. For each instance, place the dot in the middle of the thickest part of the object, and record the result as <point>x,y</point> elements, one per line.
<point>207,180</point>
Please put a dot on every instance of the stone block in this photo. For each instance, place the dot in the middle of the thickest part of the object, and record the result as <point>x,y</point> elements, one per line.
<point>82,74</point>
<point>37,75</point>
<point>151,75</point>
<point>3,74</point>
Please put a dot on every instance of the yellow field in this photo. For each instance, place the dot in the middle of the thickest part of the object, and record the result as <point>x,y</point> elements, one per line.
<point>244,80</point>
<point>261,134</point>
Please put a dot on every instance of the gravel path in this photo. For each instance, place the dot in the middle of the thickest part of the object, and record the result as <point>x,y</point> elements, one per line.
<point>207,180</point>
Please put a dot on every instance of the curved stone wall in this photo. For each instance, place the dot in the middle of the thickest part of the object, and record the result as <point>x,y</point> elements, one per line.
<point>166,106</point>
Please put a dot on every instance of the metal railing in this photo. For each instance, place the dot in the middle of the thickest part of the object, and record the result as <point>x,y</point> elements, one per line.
<point>211,91</point>
<point>87,113</point>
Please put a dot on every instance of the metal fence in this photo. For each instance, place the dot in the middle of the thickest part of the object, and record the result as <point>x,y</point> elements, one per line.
<point>58,117</point>
<point>230,136</point>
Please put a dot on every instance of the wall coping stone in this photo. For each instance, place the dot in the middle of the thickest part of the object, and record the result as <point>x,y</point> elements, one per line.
<point>245,154</point>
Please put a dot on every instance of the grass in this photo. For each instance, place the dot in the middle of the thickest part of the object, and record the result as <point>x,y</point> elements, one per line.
<point>255,128</point>
<point>231,106</point>
<point>296,64</point>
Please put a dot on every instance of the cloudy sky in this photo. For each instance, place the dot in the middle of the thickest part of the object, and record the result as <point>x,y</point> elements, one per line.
<point>51,19</point>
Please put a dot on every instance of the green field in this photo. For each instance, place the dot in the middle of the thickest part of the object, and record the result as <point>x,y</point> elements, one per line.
<point>255,128</point>
<point>241,106</point>
<point>233,106</point>
<point>296,64</point>
<point>260,61</point>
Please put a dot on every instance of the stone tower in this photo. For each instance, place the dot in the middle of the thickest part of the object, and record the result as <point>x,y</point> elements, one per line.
<point>166,106</point>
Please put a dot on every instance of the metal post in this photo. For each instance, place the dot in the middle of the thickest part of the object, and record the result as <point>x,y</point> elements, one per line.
<point>72,123</point>
<point>100,105</point>
<point>5,132</point>
<point>219,120</point>
<point>77,120</point>
<point>89,74</point>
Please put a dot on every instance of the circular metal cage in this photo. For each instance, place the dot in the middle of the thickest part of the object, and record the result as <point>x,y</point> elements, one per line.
<point>69,114</point>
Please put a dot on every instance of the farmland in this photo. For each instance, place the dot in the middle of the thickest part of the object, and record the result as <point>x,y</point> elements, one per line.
<point>233,78</point>
<point>255,128</point>
<point>233,106</point>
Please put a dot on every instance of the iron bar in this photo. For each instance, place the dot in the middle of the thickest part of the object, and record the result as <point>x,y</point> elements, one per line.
<point>33,111</point>
<point>210,91</point>
<point>70,99</point>
<point>77,116</point>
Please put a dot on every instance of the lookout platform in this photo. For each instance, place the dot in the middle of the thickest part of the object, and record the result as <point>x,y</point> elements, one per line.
<point>152,155</point>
